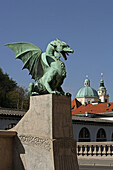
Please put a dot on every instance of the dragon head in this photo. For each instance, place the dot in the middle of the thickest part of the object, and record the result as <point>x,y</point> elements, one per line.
<point>62,48</point>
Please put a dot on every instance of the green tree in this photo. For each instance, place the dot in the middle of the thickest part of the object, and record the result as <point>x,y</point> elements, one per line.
<point>18,98</point>
<point>6,85</point>
<point>11,95</point>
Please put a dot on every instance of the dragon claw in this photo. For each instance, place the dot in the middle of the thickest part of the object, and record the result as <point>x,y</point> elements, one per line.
<point>56,92</point>
<point>68,94</point>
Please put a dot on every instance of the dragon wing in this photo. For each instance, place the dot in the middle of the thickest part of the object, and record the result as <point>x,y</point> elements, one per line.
<point>31,57</point>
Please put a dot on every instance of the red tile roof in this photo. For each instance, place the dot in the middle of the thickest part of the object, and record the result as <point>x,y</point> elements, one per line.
<point>75,104</point>
<point>93,108</point>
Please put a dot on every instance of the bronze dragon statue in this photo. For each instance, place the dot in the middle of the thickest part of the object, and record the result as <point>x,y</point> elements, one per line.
<point>45,68</point>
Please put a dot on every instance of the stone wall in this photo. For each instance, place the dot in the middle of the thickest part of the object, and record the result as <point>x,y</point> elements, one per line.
<point>42,139</point>
<point>6,149</point>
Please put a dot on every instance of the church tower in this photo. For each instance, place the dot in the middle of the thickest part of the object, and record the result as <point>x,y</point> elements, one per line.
<point>102,92</point>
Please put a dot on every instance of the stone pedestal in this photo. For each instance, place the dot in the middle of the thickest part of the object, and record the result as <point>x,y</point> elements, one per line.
<point>45,136</point>
<point>6,149</point>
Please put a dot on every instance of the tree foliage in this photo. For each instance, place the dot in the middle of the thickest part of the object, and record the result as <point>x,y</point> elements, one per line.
<point>11,95</point>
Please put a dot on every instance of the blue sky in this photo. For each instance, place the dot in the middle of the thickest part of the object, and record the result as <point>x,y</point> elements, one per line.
<point>86,25</point>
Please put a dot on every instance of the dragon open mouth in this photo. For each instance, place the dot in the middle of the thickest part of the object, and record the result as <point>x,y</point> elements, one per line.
<point>63,53</point>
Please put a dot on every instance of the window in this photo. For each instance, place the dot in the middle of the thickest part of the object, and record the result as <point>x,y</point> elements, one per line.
<point>84,135</point>
<point>10,126</point>
<point>101,135</point>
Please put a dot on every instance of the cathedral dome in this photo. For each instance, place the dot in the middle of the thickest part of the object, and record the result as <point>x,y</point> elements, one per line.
<point>87,91</point>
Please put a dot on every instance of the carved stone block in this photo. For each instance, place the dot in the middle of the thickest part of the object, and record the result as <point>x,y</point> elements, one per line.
<point>45,136</point>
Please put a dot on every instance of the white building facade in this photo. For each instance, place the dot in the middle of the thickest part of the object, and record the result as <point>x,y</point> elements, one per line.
<point>92,129</point>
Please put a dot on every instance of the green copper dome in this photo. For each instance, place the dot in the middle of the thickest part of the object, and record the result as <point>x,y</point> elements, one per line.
<point>87,91</point>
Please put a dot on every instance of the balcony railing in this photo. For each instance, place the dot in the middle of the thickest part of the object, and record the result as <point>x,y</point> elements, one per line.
<point>97,149</point>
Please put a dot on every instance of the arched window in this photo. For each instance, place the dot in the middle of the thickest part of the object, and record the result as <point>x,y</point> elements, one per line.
<point>101,135</point>
<point>84,135</point>
<point>10,126</point>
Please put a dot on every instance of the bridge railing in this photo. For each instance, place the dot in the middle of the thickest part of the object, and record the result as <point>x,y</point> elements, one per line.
<point>97,149</point>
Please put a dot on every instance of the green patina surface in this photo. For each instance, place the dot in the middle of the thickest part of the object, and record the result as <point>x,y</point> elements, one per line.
<point>101,88</point>
<point>87,92</point>
<point>45,68</point>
